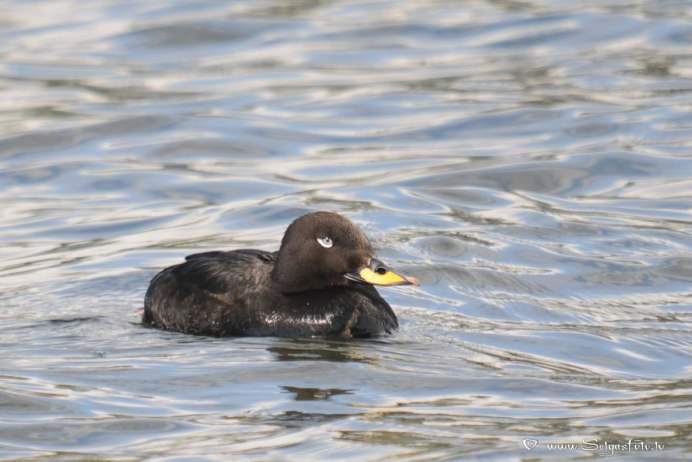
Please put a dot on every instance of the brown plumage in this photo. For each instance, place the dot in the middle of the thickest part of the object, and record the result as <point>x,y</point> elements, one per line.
<point>317,284</point>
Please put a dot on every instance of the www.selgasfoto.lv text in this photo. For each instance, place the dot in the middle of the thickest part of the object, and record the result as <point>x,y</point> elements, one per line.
<point>603,448</point>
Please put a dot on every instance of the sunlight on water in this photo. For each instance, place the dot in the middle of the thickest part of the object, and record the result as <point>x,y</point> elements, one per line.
<point>529,162</point>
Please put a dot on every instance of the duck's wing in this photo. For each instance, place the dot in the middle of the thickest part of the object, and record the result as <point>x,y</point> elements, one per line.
<point>211,293</point>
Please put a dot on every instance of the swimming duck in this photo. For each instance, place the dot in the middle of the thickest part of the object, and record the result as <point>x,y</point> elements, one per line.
<point>320,283</point>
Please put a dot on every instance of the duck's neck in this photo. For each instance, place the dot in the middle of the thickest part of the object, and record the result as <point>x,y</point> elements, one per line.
<point>289,280</point>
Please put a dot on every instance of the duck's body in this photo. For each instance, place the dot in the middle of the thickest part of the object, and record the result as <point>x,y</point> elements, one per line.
<point>305,289</point>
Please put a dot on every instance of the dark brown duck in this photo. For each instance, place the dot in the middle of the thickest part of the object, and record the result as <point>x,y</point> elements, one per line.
<point>319,283</point>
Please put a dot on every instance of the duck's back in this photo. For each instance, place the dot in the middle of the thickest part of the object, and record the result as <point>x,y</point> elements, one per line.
<point>232,294</point>
<point>211,293</point>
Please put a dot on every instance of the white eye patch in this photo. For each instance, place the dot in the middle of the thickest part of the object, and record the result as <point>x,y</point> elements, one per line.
<point>325,241</point>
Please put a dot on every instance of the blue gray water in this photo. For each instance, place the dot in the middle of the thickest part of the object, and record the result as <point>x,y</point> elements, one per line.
<point>530,162</point>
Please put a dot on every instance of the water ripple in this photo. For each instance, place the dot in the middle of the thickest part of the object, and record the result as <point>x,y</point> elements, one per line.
<point>529,162</point>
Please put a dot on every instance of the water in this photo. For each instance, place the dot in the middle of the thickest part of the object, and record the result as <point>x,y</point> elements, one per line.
<point>528,161</point>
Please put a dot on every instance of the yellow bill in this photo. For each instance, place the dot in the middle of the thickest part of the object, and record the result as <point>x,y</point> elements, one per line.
<point>385,278</point>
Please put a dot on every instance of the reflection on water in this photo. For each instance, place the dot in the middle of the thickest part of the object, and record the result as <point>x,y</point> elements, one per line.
<point>529,162</point>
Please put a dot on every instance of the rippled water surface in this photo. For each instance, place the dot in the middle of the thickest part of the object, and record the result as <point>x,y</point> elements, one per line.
<point>529,161</point>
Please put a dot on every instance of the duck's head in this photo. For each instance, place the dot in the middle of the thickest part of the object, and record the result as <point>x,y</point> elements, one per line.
<point>322,250</point>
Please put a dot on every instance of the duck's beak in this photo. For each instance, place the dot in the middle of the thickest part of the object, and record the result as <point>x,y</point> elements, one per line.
<point>377,273</point>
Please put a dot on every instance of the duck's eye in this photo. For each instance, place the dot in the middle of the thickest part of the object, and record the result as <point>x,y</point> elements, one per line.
<point>325,241</point>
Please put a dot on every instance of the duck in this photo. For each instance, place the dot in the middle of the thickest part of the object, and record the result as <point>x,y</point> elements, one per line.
<point>320,283</point>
